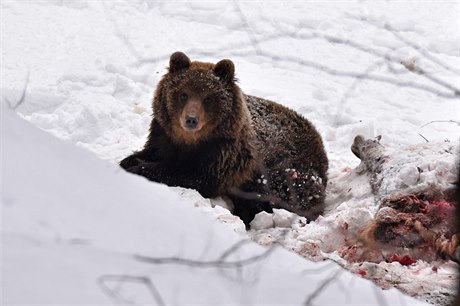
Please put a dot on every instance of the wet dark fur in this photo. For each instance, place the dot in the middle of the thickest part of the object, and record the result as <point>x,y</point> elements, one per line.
<point>256,152</point>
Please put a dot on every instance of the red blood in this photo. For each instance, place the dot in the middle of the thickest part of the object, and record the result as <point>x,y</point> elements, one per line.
<point>441,208</point>
<point>294,174</point>
<point>442,203</point>
<point>405,260</point>
<point>346,170</point>
<point>362,272</point>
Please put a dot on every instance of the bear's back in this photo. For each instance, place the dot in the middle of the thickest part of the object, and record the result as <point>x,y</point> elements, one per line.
<point>279,128</point>
<point>294,161</point>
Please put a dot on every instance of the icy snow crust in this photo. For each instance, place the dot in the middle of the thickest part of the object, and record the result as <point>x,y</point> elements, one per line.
<point>90,68</point>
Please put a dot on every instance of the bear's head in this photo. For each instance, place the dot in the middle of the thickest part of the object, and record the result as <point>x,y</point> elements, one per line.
<point>197,101</point>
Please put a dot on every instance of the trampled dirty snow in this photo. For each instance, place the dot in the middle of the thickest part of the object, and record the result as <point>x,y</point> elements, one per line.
<point>90,68</point>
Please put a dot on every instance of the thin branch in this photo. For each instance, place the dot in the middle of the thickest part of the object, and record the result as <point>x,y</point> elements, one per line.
<point>121,279</point>
<point>120,34</point>
<point>438,81</point>
<point>376,78</point>
<point>204,264</point>
<point>234,248</point>
<point>321,287</point>
<point>423,137</point>
<point>419,49</point>
<point>424,53</point>
<point>247,26</point>
<point>329,265</point>
<point>23,95</point>
<point>453,92</point>
<point>352,87</point>
<point>386,26</point>
<point>273,57</point>
<point>440,121</point>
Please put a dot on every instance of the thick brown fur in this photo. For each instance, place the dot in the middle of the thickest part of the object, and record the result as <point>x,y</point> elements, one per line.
<point>256,152</point>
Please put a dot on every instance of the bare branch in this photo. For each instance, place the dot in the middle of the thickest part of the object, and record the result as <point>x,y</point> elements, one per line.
<point>23,95</point>
<point>352,87</point>
<point>329,265</point>
<point>423,52</point>
<point>376,78</point>
<point>321,287</point>
<point>323,68</point>
<point>440,121</point>
<point>386,26</point>
<point>122,279</point>
<point>423,137</point>
<point>234,248</point>
<point>120,34</point>
<point>204,264</point>
<point>419,49</point>
<point>247,26</point>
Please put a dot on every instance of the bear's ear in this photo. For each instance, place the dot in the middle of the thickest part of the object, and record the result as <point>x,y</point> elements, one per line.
<point>178,61</point>
<point>225,70</point>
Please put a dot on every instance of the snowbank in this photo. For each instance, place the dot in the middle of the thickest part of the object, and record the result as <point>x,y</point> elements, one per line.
<point>74,227</point>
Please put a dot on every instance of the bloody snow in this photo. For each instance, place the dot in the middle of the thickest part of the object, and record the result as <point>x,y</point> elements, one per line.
<point>73,225</point>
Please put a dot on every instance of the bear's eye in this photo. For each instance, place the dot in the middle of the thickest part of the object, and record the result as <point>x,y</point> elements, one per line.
<point>207,100</point>
<point>183,97</point>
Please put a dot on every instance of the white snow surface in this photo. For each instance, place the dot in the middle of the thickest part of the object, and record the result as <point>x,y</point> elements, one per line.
<point>70,217</point>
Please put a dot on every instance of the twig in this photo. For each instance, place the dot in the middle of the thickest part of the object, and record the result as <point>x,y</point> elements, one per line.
<point>427,55</point>
<point>120,34</point>
<point>204,264</point>
<point>247,26</point>
<point>440,121</point>
<point>125,279</point>
<point>323,68</point>
<point>423,137</point>
<point>353,86</point>
<point>329,265</point>
<point>234,248</point>
<point>238,270</point>
<point>386,26</point>
<point>321,287</point>
<point>422,51</point>
<point>23,95</point>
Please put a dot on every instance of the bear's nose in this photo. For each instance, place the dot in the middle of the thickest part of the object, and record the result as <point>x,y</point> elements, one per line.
<point>191,122</point>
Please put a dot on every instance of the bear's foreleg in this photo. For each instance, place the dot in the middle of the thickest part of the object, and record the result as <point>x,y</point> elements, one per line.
<point>135,159</point>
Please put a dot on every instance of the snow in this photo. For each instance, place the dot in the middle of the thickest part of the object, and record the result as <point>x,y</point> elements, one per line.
<point>76,240</point>
<point>89,69</point>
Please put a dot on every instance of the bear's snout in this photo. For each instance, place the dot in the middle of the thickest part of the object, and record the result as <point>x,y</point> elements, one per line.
<point>191,122</point>
<point>193,115</point>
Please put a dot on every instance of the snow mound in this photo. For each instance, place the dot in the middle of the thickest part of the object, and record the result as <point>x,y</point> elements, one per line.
<point>78,230</point>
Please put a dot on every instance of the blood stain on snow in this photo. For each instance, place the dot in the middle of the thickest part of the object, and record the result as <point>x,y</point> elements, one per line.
<point>362,272</point>
<point>404,260</point>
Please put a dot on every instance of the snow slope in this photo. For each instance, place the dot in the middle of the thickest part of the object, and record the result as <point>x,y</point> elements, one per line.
<point>72,222</point>
<point>90,67</point>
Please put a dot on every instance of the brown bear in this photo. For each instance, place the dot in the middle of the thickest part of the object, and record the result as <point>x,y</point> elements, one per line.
<point>209,136</point>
